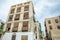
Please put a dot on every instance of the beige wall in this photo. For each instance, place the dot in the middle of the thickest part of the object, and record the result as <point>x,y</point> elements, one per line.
<point>53,25</point>
<point>55,34</point>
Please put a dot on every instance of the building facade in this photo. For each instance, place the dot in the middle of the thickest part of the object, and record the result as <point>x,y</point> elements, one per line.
<point>21,21</point>
<point>20,18</point>
<point>19,36</point>
<point>52,27</point>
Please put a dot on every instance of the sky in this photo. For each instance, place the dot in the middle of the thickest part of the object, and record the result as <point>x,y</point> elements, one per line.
<point>43,9</point>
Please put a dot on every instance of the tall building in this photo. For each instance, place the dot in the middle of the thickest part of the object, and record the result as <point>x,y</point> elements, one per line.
<point>52,28</point>
<point>21,24</point>
<point>20,18</point>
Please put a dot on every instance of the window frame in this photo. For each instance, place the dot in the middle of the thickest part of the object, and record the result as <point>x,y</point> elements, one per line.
<point>8,27</point>
<point>17,17</point>
<point>58,27</point>
<point>26,15</point>
<point>10,18</point>
<point>56,20</point>
<point>18,9</point>
<point>13,37</point>
<point>50,27</point>
<point>24,37</point>
<point>12,10</point>
<point>25,26</point>
<point>26,8</point>
<point>49,22</point>
<point>15,28</point>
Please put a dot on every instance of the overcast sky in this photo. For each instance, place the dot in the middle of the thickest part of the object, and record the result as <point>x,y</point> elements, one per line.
<point>43,9</point>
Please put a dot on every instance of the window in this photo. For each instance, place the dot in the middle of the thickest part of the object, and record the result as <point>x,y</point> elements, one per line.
<point>12,10</point>
<point>26,15</point>
<point>17,16</point>
<point>25,26</point>
<point>10,18</point>
<point>50,27</point>
<point>49,22</point>
<point>58,27</point>
<point>25,29</point>
<point>15,28</point>
<point>19,9</point>
<point>0,35</point>
<point>36,35</point>
<point>26,8</point>
<point>56,20</point>
<point>24,37</point>
<point>8,27</point>
<point>13,37</point>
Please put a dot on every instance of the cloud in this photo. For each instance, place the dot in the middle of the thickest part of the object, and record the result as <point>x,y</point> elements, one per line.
<point>46,9</point>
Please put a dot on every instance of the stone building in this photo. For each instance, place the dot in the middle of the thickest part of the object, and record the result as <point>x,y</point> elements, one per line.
<point>52,28</point>
<point>21,24</point>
